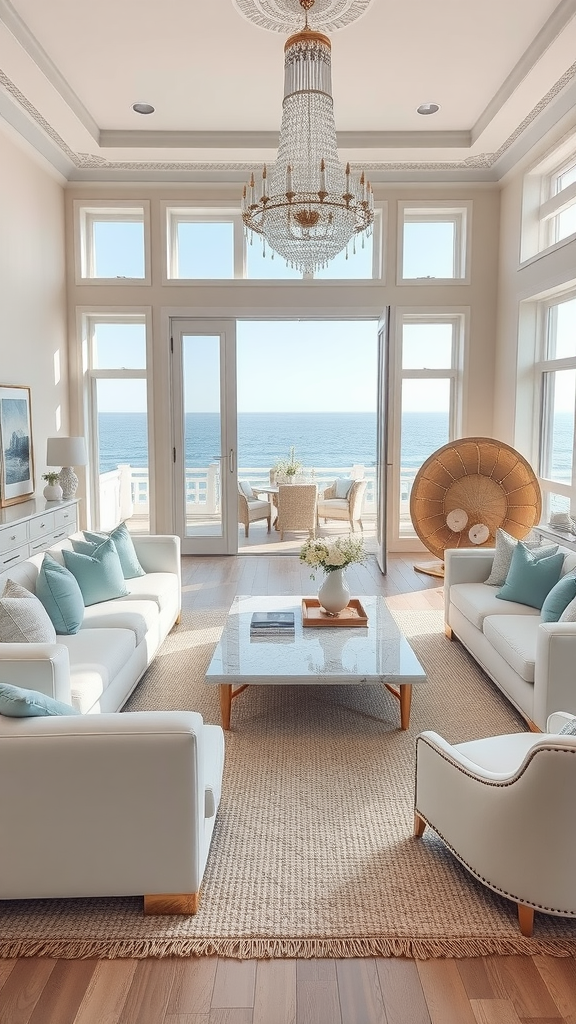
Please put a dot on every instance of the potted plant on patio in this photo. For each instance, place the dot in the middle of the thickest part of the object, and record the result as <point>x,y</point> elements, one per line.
<point>286,469</point>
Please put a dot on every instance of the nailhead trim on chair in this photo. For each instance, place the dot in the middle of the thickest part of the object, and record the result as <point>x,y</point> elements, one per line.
<point>498,785</point>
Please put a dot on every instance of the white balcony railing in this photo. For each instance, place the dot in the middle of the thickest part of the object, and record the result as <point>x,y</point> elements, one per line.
<point>124,492</point>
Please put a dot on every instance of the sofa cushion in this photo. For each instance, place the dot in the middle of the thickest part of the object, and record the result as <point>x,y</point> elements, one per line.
<point>530,579</point>
<point>17,702</point>
<point>477,600</point>
<point>160,587</point>
<point>96,658</point>
<point>61,596</point>
<point>332,504</point>
<point>99,575</point>
<point>569,613</point>
<point>23,618</point>
<point>568,729</point>
<point>124,546</point>
<point>139,616</point>
<point>514,637</point>
<point>505,545</point>
<point>558,599</point>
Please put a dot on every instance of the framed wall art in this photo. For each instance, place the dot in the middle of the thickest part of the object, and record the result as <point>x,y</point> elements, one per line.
<point>16,452</point>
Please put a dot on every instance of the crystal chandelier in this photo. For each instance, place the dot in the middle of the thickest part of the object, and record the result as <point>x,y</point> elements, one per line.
<point>312,207</point>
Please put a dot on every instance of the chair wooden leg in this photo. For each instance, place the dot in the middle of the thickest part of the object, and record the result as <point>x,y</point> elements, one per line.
<point>526,920</point>
<point>361,525</point>
<point>448,631</point>
<point>419,825</point>
<point>269,521</point>
<point>172,903</point>
<point>246,528</point>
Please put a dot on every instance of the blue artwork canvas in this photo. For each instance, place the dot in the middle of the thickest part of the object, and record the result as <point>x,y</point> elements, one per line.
<point>17,476</point>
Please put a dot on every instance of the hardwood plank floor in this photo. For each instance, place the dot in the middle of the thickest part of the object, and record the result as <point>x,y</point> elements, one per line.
<point>484,990</point>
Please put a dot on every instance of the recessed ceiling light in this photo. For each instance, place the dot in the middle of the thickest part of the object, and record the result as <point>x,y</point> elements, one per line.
<point>143,108</point>
<point>428,108</point>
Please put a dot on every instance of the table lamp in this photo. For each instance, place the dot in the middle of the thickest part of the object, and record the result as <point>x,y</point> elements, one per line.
<point>66,452</point>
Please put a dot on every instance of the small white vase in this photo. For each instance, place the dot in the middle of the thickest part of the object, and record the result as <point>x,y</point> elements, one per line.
<point>52,492</point>
<point>334,594</point>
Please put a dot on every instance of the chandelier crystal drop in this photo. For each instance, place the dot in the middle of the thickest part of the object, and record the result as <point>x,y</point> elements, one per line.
<point>312,207</point>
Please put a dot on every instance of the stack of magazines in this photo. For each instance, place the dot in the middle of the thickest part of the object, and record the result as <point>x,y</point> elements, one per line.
<point>272,624</point>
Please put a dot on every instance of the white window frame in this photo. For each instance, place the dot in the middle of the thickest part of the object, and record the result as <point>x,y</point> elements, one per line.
<point>544,365</point>
<point>115,211</point>
<point>440,211</point>
<point>173,214</point>
<point>542,203</point>
<point>89,318</point>
<point>459,318</point>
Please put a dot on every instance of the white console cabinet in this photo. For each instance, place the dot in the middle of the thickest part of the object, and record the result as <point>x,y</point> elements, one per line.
<point>32,526</point>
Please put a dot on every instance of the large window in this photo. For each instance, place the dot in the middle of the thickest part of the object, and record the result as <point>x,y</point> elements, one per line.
<point>429,411</point>
<point>549,201</point>
<point>557,386</point>
<point>211,243</point>
<point>118,420</point>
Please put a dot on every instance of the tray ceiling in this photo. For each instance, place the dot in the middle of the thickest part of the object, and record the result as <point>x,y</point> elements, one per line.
<point>70,71</point>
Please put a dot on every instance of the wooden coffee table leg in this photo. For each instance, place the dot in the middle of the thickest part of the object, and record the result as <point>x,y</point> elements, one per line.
<point>225,703</point>
<point>405,704</point>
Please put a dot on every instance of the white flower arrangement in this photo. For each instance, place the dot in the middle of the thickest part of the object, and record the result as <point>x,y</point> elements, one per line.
<point>290,466</point>
<point>332,555</point>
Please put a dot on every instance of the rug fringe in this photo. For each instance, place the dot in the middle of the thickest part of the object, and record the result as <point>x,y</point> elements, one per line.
<point>283,948</point>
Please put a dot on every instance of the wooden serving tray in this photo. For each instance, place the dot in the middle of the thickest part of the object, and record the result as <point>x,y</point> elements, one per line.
<point>314,615</point>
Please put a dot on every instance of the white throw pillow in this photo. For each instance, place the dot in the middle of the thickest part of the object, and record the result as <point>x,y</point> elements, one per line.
<point>246,488</point>
<point>343,485</point>
<point>23,618</point>
<point>505,545</point>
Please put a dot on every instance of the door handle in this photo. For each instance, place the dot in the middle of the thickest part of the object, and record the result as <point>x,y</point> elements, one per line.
<point>231,460</point>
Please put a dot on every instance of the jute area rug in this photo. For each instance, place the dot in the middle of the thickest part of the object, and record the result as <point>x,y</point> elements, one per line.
<point>312,854</point>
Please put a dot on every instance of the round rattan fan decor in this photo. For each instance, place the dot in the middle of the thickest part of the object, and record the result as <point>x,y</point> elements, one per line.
<point>469,488</point>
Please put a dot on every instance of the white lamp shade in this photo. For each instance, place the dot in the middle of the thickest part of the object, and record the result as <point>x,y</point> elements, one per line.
<point>66,451</point>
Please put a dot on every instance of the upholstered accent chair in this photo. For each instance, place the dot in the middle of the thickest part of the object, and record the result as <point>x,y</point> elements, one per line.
<point>297,508</point>
<point>251,508</point>
<point>348,508</point>
<point>504,807</point>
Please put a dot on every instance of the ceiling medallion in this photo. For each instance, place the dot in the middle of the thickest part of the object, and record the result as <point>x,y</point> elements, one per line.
<point>279,15</point>
<point>312,207</point>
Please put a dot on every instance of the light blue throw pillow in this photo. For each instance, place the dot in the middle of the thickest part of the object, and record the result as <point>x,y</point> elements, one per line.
<point>124,546</point>
<point>58,590</point>
<point>559,598</point>
<point>530,579</point>
<point>16,702</point>
<point>343,485</point>
<point>99,574</point>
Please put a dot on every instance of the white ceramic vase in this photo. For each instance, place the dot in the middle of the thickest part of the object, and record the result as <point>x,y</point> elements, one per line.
<point>334,594</point>
<point>52,492</point>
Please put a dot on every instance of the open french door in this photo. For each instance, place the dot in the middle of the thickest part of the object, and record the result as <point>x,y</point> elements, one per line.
<point>383,467</point>
<point>204,435</point>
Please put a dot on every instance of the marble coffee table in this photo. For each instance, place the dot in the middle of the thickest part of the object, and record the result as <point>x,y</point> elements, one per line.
<point>376,654</point>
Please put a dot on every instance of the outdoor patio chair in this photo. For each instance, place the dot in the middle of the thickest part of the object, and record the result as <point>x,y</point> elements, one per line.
<point>349,508</point>
<point>251,509</point>
<point>297,508</point>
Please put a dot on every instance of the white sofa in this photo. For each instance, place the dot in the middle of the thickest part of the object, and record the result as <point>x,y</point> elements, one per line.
<point>102,804</point>
<point>533,663</point>
<point>97,668</point>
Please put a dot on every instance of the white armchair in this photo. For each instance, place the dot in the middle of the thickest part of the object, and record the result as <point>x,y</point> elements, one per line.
<point>109,805</point>
<point>251,508</point>
<point>504,806</point>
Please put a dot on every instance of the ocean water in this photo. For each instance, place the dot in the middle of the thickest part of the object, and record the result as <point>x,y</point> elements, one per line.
<point>320,439</point>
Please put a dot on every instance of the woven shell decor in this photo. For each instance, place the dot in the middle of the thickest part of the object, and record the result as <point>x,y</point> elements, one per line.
<point>484,479</point>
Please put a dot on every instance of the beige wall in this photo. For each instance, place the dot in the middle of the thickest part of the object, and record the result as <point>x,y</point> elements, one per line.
<point>33,348</point>
<point>253,299</point>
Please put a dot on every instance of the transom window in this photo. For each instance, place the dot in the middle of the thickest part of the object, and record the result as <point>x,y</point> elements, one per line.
<point>212,244</point>
<point>433,242</point>
<point>549,201</point>
<point>113,243</point>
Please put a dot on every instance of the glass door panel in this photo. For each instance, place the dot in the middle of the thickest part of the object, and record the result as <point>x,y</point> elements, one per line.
<point>205,436</point>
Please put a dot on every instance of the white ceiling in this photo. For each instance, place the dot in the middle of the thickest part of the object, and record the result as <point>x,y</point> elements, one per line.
<point>503,71</point>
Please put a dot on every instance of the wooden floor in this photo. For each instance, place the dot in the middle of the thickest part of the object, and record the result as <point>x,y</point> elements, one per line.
<point>211,990</point>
